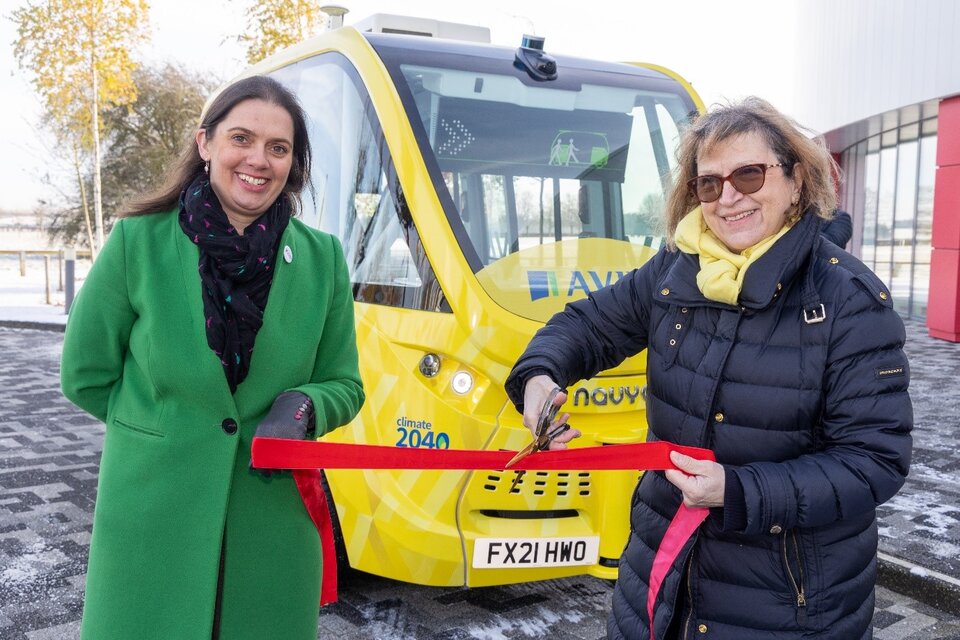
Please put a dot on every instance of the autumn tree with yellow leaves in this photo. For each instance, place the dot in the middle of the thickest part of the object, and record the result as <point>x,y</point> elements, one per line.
<point>79,53</point>
<point>275,24</point>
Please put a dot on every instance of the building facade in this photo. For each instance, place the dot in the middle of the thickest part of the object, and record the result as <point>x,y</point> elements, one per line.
<point>881,80</point>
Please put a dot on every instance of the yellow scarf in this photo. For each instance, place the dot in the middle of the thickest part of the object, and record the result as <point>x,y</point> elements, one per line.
<point>721,270</point>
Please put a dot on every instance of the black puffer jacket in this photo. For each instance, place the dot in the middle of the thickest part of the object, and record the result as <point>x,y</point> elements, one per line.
<point>811,420</point>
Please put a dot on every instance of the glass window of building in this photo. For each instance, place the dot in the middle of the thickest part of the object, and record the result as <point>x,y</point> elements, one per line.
<point>889,191</point>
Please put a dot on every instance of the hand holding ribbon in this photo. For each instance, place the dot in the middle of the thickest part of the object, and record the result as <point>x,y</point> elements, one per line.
<point>702,482</point>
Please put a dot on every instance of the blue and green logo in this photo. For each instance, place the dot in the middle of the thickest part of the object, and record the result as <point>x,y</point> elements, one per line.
<point>544,284</point>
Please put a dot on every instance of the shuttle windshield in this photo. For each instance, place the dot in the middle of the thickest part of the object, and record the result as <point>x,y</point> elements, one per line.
<point>553,189</point>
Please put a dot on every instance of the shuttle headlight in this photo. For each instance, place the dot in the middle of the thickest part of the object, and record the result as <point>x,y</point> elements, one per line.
<point>462,382</point>
<point>430,365</point>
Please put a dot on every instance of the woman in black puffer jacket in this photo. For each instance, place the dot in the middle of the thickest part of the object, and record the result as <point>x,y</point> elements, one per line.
<point>778,351</point>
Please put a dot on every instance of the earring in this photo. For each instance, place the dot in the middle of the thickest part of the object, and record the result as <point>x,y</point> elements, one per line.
<point>206,169</point>
<point>795,199</point>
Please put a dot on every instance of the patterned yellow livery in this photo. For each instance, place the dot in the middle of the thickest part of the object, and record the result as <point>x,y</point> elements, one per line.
<point>476,190</point>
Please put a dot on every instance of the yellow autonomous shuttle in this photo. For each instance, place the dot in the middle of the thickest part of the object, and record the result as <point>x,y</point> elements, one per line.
<point>476,190</point>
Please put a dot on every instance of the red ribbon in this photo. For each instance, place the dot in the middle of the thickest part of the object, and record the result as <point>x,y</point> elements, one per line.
<point>315,500</point>
<point>306,457</point>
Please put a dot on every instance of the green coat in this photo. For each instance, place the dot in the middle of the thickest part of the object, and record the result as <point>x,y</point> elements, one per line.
<point>174,483</point>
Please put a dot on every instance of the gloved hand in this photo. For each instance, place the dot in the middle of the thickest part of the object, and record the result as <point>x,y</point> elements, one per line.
<point>290,417</point>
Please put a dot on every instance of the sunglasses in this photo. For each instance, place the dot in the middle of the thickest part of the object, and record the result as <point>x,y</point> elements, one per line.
<point>747,179</point>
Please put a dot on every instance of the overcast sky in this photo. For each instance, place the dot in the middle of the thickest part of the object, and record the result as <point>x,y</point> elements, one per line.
<point>726,50</point>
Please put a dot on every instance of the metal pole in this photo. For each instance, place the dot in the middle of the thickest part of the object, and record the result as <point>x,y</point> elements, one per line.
<point>70,256</point>
<point>60,268</point>
<point>23,264</point>
<point>46,276</point>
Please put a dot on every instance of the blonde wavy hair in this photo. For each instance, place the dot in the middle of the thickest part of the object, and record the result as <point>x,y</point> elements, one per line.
<point>788,140</point>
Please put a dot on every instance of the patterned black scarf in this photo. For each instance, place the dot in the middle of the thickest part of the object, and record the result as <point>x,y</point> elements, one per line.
<point>236,272</point>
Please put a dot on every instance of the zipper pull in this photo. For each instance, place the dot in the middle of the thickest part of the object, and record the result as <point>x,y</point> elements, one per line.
<point>801,610</point>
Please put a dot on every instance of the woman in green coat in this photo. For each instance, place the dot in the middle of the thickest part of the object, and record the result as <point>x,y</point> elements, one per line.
<point>209,316</point>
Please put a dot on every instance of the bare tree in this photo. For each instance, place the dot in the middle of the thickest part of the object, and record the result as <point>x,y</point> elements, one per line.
<point>143,140</point>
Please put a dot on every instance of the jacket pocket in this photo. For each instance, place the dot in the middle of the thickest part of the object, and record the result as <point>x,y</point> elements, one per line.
<point>136,428</point>
<point>795,573</point>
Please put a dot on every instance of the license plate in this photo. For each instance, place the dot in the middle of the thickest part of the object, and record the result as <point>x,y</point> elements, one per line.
<point>510,553</point>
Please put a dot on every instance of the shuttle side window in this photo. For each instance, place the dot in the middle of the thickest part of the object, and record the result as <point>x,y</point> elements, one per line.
<point>355,194</point>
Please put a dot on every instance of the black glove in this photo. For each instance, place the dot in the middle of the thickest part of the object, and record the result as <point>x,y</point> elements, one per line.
<point>290,417</point>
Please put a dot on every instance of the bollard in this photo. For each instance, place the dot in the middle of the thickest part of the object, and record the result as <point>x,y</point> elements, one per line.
<point>46,276</point>
<point>23,264</point>
<point>70,258</point>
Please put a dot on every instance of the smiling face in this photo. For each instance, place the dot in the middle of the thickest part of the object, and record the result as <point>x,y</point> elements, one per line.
<point>740,221</point>
<point>250,153</point>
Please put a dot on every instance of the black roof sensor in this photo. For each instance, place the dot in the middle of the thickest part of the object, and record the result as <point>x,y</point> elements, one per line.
<point>530,56</point>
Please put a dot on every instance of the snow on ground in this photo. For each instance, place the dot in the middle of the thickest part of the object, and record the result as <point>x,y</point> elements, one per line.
<point>24,297</point>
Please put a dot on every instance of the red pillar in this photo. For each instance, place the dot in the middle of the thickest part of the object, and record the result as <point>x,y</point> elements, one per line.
<point>943,307</point>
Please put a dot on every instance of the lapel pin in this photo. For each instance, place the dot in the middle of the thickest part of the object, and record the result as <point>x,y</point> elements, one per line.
<point>287,254</point>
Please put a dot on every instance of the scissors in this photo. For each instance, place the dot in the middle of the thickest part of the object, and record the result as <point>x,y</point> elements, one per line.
<point>544,435</point>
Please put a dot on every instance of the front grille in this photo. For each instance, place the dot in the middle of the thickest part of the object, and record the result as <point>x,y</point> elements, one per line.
<point>541,483</point>
<point>529,515</point>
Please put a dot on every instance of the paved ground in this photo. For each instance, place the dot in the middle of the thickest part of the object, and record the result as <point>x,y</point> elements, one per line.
<point>49,454</point>
<point>920,526</point>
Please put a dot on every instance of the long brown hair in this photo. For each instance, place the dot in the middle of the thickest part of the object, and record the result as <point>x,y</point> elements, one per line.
<point>787,139</point>
<point>189,164</point>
